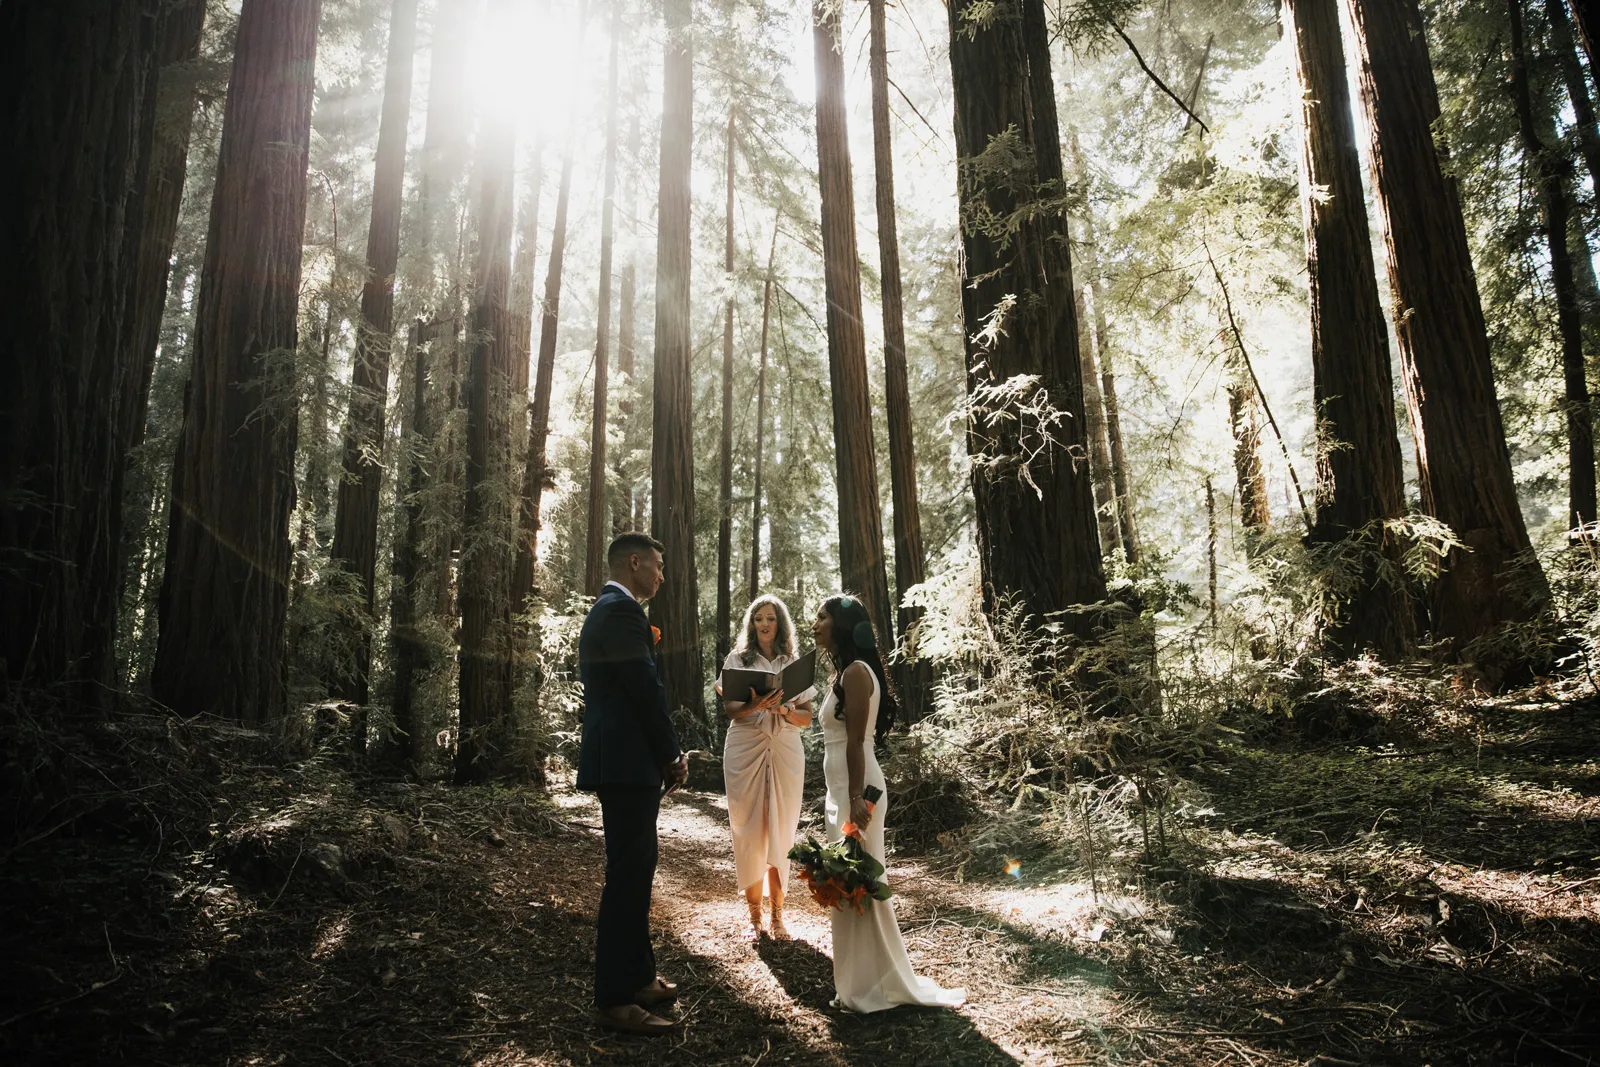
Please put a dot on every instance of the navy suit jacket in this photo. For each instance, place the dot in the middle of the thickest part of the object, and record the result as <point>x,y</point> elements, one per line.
<point>627,735</point>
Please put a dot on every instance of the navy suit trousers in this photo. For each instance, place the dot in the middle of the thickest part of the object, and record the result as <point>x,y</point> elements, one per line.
<point>624,961</point>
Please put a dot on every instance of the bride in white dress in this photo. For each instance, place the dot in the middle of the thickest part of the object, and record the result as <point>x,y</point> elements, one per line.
<point>871,971</point>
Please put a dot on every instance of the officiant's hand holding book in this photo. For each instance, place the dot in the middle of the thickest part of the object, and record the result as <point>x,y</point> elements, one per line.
<point>747,686</point>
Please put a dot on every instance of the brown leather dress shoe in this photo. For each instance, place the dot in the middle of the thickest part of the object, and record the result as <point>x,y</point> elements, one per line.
<point>656,993</point>
<point>632,1019</point>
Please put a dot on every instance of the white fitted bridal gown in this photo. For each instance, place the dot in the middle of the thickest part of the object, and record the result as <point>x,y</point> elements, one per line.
<point>871,971</point>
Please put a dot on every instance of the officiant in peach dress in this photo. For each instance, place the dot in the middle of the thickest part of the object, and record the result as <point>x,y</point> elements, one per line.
<point>764,763</point>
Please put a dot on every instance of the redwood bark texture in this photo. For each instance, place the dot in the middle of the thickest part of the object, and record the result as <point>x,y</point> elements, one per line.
<point>1552,171</point>
<point>355,524</point>
<point>1037,537</point>
<point>861,562</point>
<point>1359,479</point>
<point>594,563</point>
<point>225,589</point>
<point>485,748</point>
<point>73,75</point>
<point>910,561</point>
<point>676,608</point>
<point>724,622</point>
<point>1464,468</point>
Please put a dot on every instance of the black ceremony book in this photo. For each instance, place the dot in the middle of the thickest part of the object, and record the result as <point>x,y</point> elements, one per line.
<point>742,684</point>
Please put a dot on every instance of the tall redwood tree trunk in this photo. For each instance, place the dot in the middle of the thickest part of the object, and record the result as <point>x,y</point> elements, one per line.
<point>627,316</point>
<point>485,748</point>
<point>74,76</point>
<point>594,562</point>
<point>1102,393</point>
<point>724,622</point>
<point>1464,468</point>
<point>1105,493</point>
<point>1584,122</point>
<point>225,589</point>
<point>910,561</point>
<point>1552,171</point>
<point>1038,542</point>
<point>861,562</point>
<point>1359,479</point>
<point>676,609</point>
<point>1250,479</point>
<point>761,421</point>
<point>422,549</point>
<point>169,118</point>
<point>534,467</point>
<point>355,524</point>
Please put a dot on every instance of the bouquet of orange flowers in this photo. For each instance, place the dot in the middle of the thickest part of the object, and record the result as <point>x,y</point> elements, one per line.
<point>842,874</point>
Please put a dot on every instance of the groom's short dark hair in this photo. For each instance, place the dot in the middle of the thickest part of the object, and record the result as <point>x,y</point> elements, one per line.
<point>625,545</point>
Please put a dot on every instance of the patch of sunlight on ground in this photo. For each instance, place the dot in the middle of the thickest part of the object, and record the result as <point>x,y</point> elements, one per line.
<point>1558,803</point>
<point>331,937</point>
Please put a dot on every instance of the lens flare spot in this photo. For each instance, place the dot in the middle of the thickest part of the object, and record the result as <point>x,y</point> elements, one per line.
<point>1014,869</point>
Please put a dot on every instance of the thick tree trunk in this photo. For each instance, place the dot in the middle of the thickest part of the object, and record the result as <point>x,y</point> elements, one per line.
<point>486,746</point>
<point>1464,468</point>
<point>1359,479</point>
<point>1037,538</point>
<point>534,472</point>
<point>168,119</point>
<point>761,421</point>
<point>1552,172</point>
<point>910,561</point>
<point>861,562</point>
<point>74,76</point>
<point>676,609</point>
<point>355,524</point>
<point>594,555</point>
<point>724,622</point>
<point>225,588</point>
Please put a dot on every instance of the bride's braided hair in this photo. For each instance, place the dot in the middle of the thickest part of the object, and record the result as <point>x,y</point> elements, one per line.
<point>855,639</point>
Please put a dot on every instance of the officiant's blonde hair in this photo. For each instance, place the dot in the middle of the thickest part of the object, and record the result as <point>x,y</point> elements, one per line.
<point>783,642</point>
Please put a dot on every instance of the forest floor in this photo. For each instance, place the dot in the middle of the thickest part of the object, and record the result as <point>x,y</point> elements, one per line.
<point>1436,904</point>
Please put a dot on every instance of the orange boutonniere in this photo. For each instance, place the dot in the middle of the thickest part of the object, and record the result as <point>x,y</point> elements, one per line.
<point>655,631</point>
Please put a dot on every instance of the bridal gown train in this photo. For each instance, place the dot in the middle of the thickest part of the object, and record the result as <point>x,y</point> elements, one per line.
<point>871,971</point>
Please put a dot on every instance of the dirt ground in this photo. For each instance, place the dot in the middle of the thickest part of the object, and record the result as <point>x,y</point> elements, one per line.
<point>1437,904</point>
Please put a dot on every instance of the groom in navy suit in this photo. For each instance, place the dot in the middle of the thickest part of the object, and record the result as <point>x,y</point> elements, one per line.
<point>629,758</point>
